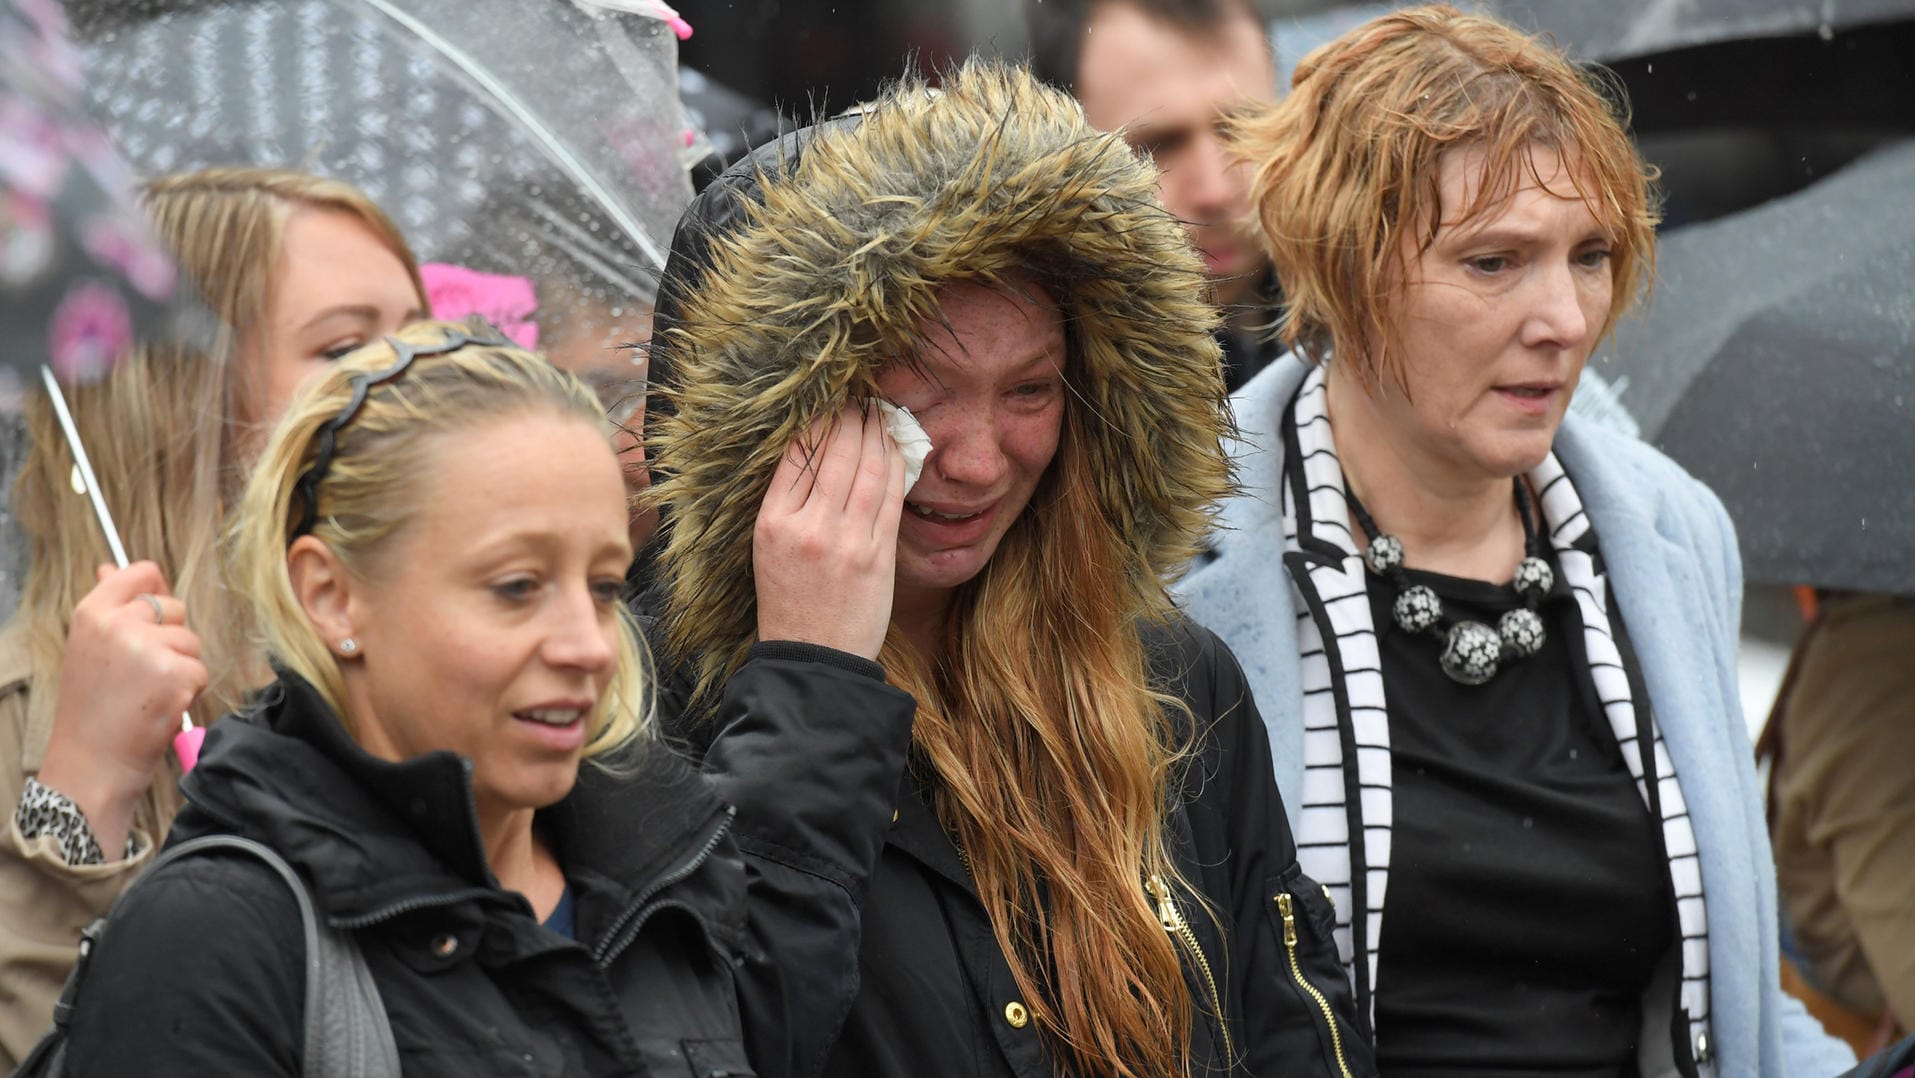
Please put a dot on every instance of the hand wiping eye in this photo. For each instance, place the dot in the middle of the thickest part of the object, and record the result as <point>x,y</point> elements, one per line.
<point>913,444</point>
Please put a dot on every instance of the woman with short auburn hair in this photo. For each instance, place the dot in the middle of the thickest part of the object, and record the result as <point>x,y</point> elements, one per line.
<point>1495,647</point>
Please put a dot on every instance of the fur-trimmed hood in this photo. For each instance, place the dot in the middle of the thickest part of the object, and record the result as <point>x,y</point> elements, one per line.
<point>805,269</point>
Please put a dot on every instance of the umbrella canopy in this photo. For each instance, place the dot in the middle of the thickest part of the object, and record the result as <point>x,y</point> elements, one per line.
<point>1776,361</point>
<point>536,138</point>
<point>1619,29</point>
<point>80,275</point>
<point>1815,68</point>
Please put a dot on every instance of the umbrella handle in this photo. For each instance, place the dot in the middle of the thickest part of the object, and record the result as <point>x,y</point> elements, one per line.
<point>85,465</point>
<point>186,745</point>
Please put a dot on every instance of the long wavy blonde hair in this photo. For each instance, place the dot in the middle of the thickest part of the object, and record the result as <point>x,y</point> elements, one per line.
<point>1054,765</point>
<point>163,431</point>
<point>376,481</point>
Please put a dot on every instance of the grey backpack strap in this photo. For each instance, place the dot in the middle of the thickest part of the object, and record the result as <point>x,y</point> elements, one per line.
<point>347,1032</point>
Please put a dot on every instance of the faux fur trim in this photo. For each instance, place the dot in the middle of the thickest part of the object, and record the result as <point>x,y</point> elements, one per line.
<point>817,267</point>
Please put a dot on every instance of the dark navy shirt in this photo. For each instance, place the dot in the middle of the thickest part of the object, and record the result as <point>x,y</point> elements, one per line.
<point>562,918</point>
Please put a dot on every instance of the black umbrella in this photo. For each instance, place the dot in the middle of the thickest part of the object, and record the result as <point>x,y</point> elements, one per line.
<point>538,138</point>
<point>1776,361</point>
<point>1618,29</point>
<point>1612,30</point>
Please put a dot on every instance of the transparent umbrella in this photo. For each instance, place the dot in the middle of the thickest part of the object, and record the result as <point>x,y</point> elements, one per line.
<point>537,138</point>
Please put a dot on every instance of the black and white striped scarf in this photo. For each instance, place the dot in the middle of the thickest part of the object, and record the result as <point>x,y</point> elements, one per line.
<point>1339,799</point>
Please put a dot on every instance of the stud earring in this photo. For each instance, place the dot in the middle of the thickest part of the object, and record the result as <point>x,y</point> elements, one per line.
<point>348,646</point>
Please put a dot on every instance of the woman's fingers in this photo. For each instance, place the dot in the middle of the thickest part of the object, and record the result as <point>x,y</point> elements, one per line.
<point>132,666</point>
<point>117,587</point>
<point>155,609</point>
<point>884,525</point>
<point>822,570</point>
<point>868,483</point>
<point>797,471</point>
<point>837,461</point>
<point>179,639</point>
<point>790,481</point>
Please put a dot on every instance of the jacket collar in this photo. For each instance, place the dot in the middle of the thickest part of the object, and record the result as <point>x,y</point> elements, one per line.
<point>635,816</point>
<point>918,832</point>
<point>372,833</point>
<point>1256,451</point>
<point>1675,614</point>
<point>16,680</point>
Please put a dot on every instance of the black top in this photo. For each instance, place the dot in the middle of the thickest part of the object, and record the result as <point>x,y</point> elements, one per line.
<point>1528,893</point>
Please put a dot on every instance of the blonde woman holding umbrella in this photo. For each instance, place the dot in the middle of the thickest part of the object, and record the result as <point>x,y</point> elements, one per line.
<point>97,664</point>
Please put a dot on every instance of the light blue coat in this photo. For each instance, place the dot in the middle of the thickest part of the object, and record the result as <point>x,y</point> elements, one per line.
<point>1671,557</point>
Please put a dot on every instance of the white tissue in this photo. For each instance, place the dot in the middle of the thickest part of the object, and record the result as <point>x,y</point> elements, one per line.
<point>910,439</point>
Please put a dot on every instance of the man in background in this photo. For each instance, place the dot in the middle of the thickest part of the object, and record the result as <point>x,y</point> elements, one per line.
<point>1167,72</point>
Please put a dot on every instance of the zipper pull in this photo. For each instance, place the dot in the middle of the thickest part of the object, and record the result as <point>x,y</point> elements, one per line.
<point>1167,914</point>
<point>1289,919</point>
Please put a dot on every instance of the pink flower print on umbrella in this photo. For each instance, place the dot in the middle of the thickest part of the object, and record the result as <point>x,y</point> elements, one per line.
<point>27,239</point>
<point>506,301</point>
<point>53,56</point>
<point>33,152</point>
<point>124,244</point>
<point>89,330</point>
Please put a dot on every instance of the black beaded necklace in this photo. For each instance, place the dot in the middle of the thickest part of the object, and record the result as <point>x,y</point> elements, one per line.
<point>1472,651</point>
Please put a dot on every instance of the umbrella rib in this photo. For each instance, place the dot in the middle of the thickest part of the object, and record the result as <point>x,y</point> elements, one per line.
<point>85,465</point>
<point>509,101</point>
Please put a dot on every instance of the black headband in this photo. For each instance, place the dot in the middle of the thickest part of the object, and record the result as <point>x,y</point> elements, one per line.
<point>328,433</point>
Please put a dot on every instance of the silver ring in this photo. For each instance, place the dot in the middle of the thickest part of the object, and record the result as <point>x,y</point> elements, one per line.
<point>159,612</point>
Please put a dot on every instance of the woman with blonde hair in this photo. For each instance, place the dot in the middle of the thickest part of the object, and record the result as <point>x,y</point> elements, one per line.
<point>455,757</point>
<point>1496,647</point>
<point>97,664</point>
<point>1087,869</point>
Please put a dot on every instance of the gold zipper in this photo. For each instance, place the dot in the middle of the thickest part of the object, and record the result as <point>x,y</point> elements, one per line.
<point>1173,921</point>
<point>1296,971</point>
